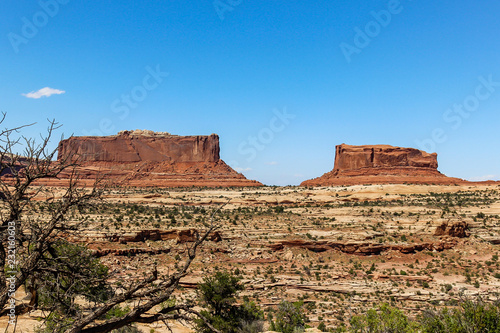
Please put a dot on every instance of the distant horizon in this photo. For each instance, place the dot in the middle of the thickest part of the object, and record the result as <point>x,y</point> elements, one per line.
<point>333,158</point>
<point>281,84</point>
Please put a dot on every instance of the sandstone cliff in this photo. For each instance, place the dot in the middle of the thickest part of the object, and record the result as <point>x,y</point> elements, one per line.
<point>140,146</point>
<point>382,156</point>
<point>146,158</point>
<point>379,164</point>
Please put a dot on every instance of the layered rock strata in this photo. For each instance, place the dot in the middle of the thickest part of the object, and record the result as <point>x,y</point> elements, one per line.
<point>146,158</point>
<point>382,164</point>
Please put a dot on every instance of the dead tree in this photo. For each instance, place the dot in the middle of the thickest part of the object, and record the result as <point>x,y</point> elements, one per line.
<point>20,175</point>
<point>38,238</point>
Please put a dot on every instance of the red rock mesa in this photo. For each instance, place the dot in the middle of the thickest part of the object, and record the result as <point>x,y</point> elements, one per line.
<point>147,158</point>
<point>382,164</point>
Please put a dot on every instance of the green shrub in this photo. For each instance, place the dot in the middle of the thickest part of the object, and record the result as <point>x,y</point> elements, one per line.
<point>474,316</point>
<point>69,271</point>
<point>383,319</point>
<point>471,316</point>
<point>217,294</point>
<point>289,318</point>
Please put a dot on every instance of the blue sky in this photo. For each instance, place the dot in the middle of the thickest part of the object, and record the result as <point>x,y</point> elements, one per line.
<point>281,82</point>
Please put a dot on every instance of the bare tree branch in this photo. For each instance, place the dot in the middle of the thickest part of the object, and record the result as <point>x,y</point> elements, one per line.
<point>39,239</point>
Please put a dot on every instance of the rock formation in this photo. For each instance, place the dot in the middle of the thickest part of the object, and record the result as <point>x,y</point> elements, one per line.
<point>380,164</point>
<point>147,158</point>
<point>360,248</point>
<point>141,146</point>
<point>458,229</point>
<point>382,156</point>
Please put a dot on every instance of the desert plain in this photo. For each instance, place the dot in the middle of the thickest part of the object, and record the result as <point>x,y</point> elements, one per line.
<point>340,249</point>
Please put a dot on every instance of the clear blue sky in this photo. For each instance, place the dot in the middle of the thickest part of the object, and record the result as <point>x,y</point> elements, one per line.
<point>355,72</point>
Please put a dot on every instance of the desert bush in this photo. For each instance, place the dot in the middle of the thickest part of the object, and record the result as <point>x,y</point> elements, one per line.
<point>66,272</point>
<point>218,295</point>
<point>290,318</point>
<point>472,316</point>
<point>383,319</point>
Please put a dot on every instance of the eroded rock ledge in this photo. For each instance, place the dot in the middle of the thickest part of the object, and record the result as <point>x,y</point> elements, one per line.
<point>362,248</point>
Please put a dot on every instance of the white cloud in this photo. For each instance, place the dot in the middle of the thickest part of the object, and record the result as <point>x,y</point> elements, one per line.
<point>44,92</point>
<point>272,163</point>
<point>484,178</point>
<point>238,169</point>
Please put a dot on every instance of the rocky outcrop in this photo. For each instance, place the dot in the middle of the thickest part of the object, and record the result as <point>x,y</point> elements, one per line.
<point>146,158</point>
<point>128,252</point>
<point>381,164</point>
<point>180,235</point>
<point>458,229</point>
<point>361,248</point>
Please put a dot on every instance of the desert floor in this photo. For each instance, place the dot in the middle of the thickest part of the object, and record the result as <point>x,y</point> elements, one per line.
<point>341,250</point>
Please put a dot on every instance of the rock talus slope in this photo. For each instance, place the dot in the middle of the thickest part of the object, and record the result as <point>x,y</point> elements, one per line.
<point>146,158</point>
<point>382,164</point>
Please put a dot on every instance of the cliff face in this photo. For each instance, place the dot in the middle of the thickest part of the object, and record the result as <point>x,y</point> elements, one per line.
<point>132,147</point>
<point>380,164</point>
<point>381,156</point>
<point>146,158</point>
